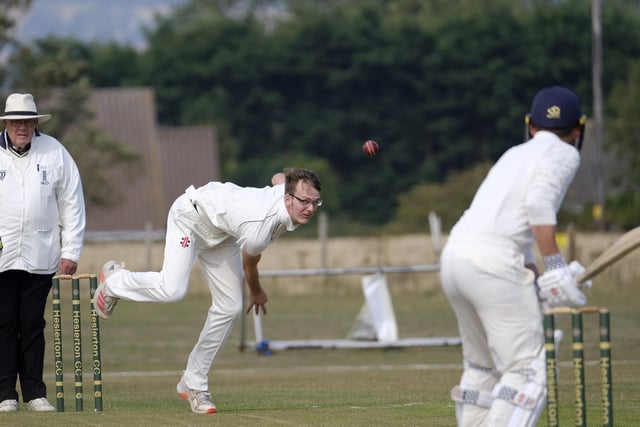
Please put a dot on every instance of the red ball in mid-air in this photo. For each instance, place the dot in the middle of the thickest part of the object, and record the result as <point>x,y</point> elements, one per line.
<point>370,148</point>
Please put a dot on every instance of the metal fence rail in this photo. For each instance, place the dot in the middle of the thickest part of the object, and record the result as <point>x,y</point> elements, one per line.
<point>350,270</point>
<point>265,346</point>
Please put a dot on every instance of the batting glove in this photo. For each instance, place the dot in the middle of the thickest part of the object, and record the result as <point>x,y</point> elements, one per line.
<point>557,288</point>
<point>576,270</point>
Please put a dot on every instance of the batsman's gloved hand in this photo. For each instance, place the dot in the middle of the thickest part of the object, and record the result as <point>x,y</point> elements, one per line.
<point>557,288</point>
<point>576,270</point>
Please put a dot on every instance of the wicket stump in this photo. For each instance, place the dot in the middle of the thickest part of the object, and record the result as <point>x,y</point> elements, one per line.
<point>578,364</point>
<point>77,341</point>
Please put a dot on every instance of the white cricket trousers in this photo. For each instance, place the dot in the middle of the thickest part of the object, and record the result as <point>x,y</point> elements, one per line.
<point>498,313</point>
<point>222,267</point>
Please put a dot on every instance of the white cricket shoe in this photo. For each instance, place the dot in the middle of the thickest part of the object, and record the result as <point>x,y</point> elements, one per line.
<point>200,400</point>
<point>40,404</point>
<point>103,303</point>
<point>8,405</point>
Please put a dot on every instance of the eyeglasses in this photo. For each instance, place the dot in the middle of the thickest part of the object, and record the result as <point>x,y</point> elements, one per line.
<point>23,122</point>
<point>306,202</point>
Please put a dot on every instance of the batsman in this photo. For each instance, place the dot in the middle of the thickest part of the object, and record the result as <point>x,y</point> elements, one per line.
<point>489,273</point>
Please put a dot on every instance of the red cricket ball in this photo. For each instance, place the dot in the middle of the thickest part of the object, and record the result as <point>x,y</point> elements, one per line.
<point>370,148</point>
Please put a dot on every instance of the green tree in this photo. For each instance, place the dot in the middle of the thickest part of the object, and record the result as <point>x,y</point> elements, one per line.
<point>113,65</point>
<point>204,68</point>
<point>624,134</point>
<point>441,84</point>
<point>10,13</point>
<point>55,70</point>
<point>621,40</point>
<point>448,200</point>
<point>622,137</point>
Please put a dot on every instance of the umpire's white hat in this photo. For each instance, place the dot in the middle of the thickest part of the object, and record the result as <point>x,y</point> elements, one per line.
<point>21,106</point>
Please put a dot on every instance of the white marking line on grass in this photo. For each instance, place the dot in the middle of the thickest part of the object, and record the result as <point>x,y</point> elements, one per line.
<point>399,405</point>
<point>236,371</point>
<point>342,368</point>
<point>269,419</point>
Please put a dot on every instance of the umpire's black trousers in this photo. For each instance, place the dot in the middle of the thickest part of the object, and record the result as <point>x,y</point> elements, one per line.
<point>23,297</point>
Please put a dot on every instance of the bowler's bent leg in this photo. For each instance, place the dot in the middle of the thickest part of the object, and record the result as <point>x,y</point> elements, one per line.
<point>172,282</point>
<point>222,267</point>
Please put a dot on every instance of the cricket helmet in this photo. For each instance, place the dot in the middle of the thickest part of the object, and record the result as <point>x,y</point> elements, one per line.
<point>555,107</point>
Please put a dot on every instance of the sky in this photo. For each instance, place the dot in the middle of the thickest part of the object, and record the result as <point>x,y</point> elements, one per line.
<point>120,21</point>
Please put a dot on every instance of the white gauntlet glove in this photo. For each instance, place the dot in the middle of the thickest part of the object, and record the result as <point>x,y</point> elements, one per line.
<point>556,288</point>
<point>576,270</point>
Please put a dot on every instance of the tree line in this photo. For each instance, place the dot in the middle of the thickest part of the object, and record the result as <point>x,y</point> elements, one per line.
<point>443,86</point>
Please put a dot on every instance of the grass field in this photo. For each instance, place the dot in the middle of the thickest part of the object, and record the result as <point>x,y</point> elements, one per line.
<point>145,346</point>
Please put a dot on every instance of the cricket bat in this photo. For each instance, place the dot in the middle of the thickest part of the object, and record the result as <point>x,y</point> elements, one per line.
<point>619,249</point>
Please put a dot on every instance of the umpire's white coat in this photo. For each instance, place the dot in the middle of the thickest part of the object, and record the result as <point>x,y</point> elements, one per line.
<point>483,270</point>
<point>41,207</point>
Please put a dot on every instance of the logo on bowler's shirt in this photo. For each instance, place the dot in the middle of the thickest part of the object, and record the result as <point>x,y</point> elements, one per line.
<point>185,241</point>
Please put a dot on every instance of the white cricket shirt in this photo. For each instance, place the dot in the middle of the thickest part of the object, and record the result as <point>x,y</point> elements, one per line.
<point>253,216</point>
<point>525,187</point>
